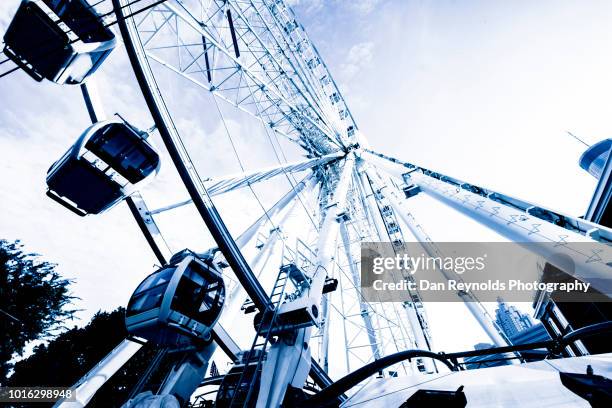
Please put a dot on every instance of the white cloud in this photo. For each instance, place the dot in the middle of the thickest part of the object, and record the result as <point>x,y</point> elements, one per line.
<point>363,6</point>
<point>360,8</point>
<point>357,57</point>
<point>7,9</point>
<point>309,6</point>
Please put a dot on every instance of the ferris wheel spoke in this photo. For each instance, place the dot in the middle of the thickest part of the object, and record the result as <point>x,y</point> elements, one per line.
<point>230,183</point>
<point>269,115</point>
<point>151,17</point>
<point>301,118</point>
<point>219,88</point>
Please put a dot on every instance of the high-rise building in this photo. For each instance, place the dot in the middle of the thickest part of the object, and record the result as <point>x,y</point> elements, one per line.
<point>510,319</point>
<point>514,323</point>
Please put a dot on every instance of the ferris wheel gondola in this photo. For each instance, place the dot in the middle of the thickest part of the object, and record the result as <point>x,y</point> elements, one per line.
<point>179,303</point>
<point>108,162</point>
<point>64,41</point>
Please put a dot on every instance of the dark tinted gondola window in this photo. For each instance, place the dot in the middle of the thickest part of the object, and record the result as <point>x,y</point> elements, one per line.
<point>150,292</point>
<point>197,298</point>
<point>146,300</point>
<point>155,279</point>
<point>125,151</point>
<point>188,294</point>
<point>82,19</point>
<point>30,28</point>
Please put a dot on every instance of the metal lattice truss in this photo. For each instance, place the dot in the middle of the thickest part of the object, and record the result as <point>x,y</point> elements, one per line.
<point>371,329</point>
<point>229,183</point>
<point>255,56</point>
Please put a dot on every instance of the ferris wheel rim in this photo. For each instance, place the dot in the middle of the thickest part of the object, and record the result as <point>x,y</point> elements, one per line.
<point>149,90</point>
<point>156,104</point>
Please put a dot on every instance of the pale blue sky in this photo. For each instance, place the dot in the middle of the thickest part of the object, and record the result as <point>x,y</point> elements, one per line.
<point>481,90</point>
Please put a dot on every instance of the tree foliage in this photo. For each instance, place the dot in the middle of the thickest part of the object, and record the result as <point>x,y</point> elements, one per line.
<point>35,304</point>
<point>34,301</point>
<point>68,357</point>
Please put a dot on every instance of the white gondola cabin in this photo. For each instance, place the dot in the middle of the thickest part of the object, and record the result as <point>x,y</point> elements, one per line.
<point>110,161</point>
<point>178,304</point>
<point>63,41</point>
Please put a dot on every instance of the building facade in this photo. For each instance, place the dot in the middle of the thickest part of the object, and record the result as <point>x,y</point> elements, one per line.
<point>510,319</point>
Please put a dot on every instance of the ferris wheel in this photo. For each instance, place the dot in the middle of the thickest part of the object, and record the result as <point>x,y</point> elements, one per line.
<point>278,308</point>
<point>257,58</point>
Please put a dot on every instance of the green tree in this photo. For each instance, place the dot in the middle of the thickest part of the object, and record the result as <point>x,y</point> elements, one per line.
<point>34,301</point>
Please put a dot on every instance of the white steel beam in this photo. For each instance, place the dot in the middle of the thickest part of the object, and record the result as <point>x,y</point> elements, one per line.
<point>87,386</point>
<point>232,182</point>
<point>495,333</point>
<point>289,364</point>
<point>365,307</point>
<point>259,262</point>
<point>308,182</point>
<point>525,226</point>
<point>372,207</point>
